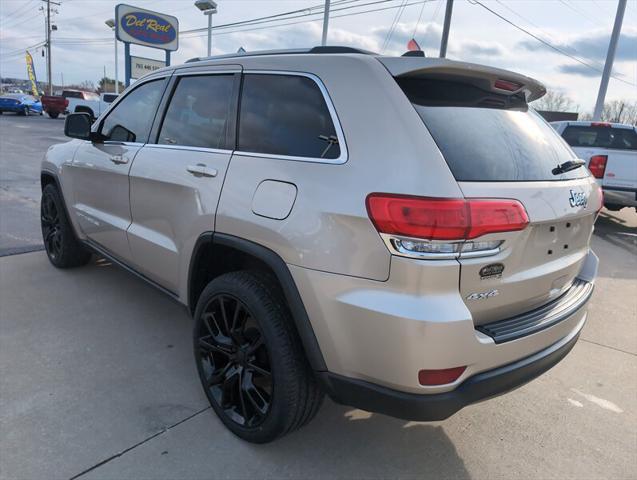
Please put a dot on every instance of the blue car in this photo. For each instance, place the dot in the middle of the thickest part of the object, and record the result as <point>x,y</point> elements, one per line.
<point>20,103</point>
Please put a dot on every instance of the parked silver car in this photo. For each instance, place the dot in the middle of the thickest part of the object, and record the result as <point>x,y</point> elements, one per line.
<point>401,233</point>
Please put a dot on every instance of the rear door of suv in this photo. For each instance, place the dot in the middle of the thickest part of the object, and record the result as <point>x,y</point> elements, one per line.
<point>176,180</point>
<point>498,148</point>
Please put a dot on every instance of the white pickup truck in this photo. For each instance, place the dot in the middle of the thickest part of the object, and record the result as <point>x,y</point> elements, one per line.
<point>610,152</point>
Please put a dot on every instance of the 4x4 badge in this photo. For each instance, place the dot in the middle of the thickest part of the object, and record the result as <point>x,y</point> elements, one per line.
<point>483,295</point>
<point>578,199</point>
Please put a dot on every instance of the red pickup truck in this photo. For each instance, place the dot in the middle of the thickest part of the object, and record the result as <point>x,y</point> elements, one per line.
<point>53,105</point>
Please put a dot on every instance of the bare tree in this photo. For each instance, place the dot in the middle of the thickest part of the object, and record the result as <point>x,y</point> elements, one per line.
<point>618,111</point>
<point>555,101</point>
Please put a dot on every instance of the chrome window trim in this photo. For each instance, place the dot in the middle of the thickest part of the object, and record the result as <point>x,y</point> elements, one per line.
<point>198,73</point>
<point>187,148</point>
<point>342,158</point>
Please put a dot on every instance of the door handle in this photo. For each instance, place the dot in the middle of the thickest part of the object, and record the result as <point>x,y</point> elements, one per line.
<point>201,170</point>
<point>119,159</point>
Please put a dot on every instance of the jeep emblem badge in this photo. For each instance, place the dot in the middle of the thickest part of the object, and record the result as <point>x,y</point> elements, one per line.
<point>493,270</point>
<point>578,199</point>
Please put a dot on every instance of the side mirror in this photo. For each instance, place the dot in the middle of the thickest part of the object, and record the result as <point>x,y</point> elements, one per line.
<point>78,125</point>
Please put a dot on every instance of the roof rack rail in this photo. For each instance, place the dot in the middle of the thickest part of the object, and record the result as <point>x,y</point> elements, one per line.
<point>292,51</point>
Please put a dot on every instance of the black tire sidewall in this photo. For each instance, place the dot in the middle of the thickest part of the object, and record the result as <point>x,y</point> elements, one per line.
<point>278,420</point>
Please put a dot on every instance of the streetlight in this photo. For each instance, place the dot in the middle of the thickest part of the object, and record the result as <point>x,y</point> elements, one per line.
<point>208,7</point>
<point>111,24</point>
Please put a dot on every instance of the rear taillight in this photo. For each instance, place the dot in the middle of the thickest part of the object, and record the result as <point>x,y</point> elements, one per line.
<point>597,165</point>
<point>444,219</point>
<point>443,227</point>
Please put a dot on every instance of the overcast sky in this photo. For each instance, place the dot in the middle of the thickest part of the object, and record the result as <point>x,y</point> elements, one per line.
<point>82,45</point>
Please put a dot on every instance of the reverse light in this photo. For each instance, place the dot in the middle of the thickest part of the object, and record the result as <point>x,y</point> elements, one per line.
<point>440,377</point>
<point>597,165</point>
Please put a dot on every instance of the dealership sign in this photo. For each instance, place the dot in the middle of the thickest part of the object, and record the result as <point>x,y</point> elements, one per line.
<point>144,27</point>
<point>141,66</point>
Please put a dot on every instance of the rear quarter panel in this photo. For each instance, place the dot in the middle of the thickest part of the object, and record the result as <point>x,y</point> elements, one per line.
<point>389,151</point>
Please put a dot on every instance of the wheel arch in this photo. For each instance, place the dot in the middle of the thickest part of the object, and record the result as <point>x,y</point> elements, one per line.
<point>84,109</point>
<point>216,253</point>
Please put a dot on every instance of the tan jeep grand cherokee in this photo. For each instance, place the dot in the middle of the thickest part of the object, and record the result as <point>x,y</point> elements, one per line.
<point>404,234</point>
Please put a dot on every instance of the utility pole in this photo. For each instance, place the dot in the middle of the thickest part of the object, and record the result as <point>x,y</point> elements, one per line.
<point>49,75</point>
<point>610,58</point>
<point>445,29</point>
<point>326,21</point>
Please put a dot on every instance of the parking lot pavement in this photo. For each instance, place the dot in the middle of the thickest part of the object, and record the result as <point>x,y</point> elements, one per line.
<point>23,141</point>
<point>97,378</point>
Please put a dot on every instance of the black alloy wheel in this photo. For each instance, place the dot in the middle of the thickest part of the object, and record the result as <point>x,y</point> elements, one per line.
<point>233,361</point>
<point>51,227</point>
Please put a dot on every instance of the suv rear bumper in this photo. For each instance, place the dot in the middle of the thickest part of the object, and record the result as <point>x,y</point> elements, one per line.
<point>410,406</point>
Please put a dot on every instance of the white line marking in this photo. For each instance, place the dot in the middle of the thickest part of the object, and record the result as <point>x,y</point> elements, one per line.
<point>575,403</point>
<point>600,402</point>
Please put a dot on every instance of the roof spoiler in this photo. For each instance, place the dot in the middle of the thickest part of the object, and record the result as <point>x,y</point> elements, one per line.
<point>492,79</point>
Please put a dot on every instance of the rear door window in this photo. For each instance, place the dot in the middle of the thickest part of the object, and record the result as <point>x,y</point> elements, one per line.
<point>601,136</point>
<point>286,115</point>
<point>199,112</point>
<point>485,136</point>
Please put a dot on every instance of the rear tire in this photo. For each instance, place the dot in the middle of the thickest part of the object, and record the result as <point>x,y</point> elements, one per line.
<point>27,111</point>
<point>53,114</point>
<point>62,246</point>
<point>249,358</point>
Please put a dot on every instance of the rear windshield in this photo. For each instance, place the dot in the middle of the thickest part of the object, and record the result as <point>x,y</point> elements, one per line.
<point>601,137</point>
<point>487,137</point>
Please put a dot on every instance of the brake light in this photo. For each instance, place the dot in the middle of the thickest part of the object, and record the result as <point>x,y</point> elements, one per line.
<point>507,85</point>
<point>440,377</point>
<point>444,219</point>
<point>601,124</point>
<point>597,165</point>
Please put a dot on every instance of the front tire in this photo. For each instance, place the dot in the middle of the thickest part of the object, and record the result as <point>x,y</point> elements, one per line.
<point>249,358</point>
<point>53,114</point>
<point>27,111</point>
<point>62,246</point>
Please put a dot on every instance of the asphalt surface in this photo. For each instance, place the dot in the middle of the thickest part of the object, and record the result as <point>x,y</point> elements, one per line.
<point>97,378</point>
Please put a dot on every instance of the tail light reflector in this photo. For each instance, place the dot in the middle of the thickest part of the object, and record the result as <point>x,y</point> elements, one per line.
<point>597,165</point>
<point>440,377</point>
<point>444,219</point>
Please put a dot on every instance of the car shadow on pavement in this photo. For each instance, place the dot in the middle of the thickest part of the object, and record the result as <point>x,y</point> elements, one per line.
<point>615,230</point>
<point>342,439</point>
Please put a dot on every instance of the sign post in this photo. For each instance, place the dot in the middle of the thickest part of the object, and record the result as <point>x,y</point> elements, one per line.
<point>147,28</point>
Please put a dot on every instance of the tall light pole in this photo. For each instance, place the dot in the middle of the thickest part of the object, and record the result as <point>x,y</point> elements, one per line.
<point>111,24</point>
<point>208,7</point>
<point>326,21</point>
<point>445,29</point>
<point>610,58</point>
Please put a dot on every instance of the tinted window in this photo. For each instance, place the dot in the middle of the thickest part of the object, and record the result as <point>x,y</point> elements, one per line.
<point>71,94</point>
<point>485,136</point>
<point>601,136</point>
<point>131,119</point>
<point>285,115</point>
<point>199,112</point>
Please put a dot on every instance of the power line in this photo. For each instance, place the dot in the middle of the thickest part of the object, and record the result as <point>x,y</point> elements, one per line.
<point>394,23</point>
<point>544,42</point>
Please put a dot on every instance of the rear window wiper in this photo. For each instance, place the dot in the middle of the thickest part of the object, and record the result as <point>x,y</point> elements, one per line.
<point>568,166</point>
